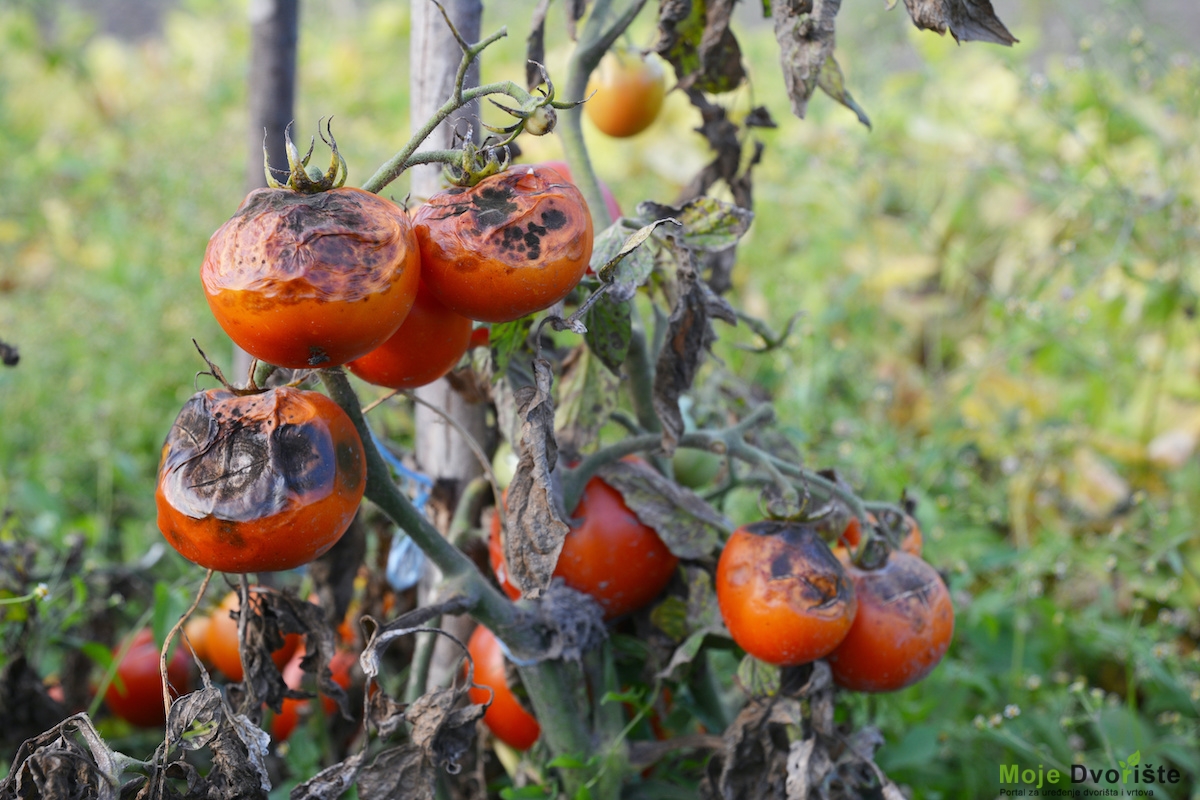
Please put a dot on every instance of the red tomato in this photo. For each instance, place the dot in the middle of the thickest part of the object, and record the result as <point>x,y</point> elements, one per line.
<point>610,200</point>
<point>903,628</point>
<point>514,243</point>
<point>260,482</point>
<point>292,709</point>
<point>609,554</point>
<point>312,280</point>
<point>139,698</point>
<point>784,597</point>
<point>505,717</point>
<point>427,346</point>
<point>221,644</point>
<point>625,93</point>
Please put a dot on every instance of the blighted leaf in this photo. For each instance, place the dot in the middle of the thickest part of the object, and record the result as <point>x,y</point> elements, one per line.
<point>670,617</point>
<point>535,45</point>
<point>572,623</point>
<point>689,527</point>
<point>702,616</point>
<point>758,678</point>
<point>506,339</point>
<point>332,782</point>
<point>55,764</point>
<point>619,257</point>
<point>587,395</point>
<point>833,83</point>
<point>379,637</point>
<point>399,772</point>
<point>694,36</point>
<point>706,224</point>
<point>237,745</point>
<point>609,331</point>
<point>753,762</point>
<point>967,20</point>
<point>535,529</point>
<point>443,727</point>
<point>804,30</point>
<point>689,336</point>
<point>273,615</point>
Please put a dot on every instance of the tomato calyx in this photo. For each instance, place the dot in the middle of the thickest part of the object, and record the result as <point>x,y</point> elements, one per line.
<point>300,176</point>
<point>477,162</point>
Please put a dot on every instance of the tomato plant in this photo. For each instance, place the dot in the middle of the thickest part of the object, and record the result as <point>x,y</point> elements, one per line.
<point>506,718</point>
<point>136,692</point>
<point>427,345</point>
<point>626,93</point>
<point>608,554</point>
<point>783,595</point>
<point>513,244</point>
<point>259,482</point>
<point>221,643</point>
<point>904,625</point>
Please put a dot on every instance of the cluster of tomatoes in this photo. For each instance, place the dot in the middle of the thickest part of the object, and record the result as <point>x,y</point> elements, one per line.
<point>135,693</point>
<point>786,597</point>
<point>254,480</point>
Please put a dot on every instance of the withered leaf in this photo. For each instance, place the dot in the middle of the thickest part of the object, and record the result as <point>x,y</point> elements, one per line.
<point>280,613</point>
<point>587,395</point>
<point>401,771</point>
<point>753,762</point>
<point>609,330</point>
<point>690,527</point>
<point>572,623</point>
<point>689,336</point>
<point>695,38</point>
<point>535,529</point>
<point>535,45</point>
<point>619,257</point>
<point>331,782</point>
<point>706,224</point>
<point>54,764</point>
<point>380,636</point>
<point>967,20</point>
<point>804,30</point>
<point>444,728</point>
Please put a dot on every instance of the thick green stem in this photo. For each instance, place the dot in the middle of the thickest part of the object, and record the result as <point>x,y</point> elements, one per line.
<point>555,690</point>
<point>594,42</point>
<point>641,379</point>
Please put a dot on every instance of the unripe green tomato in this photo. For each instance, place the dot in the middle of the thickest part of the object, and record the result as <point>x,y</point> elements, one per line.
<point>695,468</point>
<point>504,464</point>
<point>741,505</point>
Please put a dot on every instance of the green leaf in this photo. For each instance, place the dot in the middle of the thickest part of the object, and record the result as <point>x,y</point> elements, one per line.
<point>1135,758</point>
<point>670,617</point>
<point>164,615</point>
<point>758,678</point>
<point>506,339</point>
<point>609,330</point>
<point>587,395</point>
<point>567,762</point>
<point>584,793</point>
<point>524,793</point>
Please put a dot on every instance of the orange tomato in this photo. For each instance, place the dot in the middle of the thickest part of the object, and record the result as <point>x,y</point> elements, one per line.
<point>427,346</point>
<point>312,280</point>
<point>513,244</point>
<point>625,93</point>
<point>903,628</point>
<point>505,717</point>
<point>783,595</point>
<point>260,482</point>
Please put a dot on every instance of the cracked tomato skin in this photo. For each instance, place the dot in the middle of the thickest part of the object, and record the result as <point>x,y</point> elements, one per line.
<point>312,280</point>
<point>260,482</point>
<point>513,244</point>
<point>903,628</point>
<point>428,344</point>
<point>783,595</point>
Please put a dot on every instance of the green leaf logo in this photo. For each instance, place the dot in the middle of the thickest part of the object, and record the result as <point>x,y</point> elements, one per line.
<point>1135,758</point>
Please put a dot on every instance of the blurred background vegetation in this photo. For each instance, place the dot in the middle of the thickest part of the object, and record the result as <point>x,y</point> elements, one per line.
<point>997,287</point>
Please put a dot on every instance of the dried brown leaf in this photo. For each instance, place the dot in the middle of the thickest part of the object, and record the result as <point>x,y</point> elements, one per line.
<point>805,32</point>
<point>967,20</point>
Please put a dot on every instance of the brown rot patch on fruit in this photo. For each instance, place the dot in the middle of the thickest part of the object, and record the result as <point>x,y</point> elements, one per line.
<point>350,465</point>
<point>317,356</point>
<point>494,206</point>
<point>554,219</point>
<point>228,533</point>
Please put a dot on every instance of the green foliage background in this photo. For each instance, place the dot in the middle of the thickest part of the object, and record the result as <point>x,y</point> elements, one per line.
<point>997,287</point>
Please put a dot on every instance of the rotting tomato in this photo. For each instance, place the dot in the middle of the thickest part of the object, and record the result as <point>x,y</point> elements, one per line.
<point>312,280</point>
<point>136,692</point>
<point>903,628</point>
<point>259,482</point>
<point>513,244</point>
<point>609,554</point>
<point>221,644</point>
<point>506,718</point>
<point>783,595</point>
<point>625,93</point>
<point>610,200</point>
<point>428,344</point>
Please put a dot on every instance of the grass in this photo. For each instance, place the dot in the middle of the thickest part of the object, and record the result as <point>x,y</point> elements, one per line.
<point>997,286</point>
